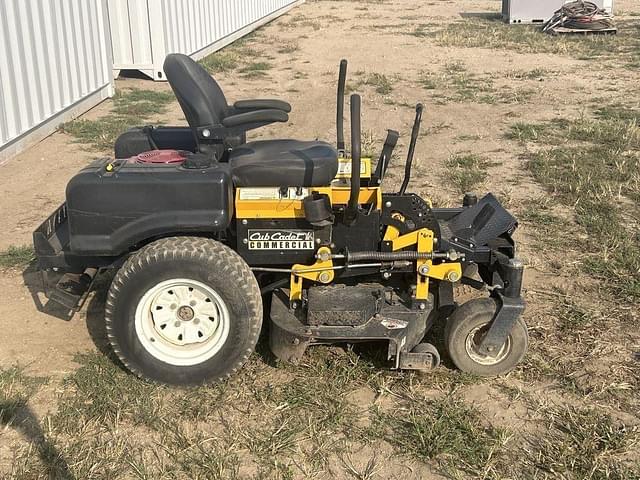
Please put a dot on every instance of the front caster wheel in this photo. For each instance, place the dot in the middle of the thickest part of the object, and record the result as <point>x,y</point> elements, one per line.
<point>431,350</point>
<point>184,311</point>
<point>464,333</point>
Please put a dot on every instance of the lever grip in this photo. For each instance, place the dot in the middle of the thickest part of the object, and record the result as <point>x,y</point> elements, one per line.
<point>351,211</point>
<point>342,80</point>
<point>412,148</point>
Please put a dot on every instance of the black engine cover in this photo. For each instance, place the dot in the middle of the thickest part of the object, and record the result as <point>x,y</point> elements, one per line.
<point>114,206</point>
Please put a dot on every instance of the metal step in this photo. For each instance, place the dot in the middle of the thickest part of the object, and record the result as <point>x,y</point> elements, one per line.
<point>72,288</point>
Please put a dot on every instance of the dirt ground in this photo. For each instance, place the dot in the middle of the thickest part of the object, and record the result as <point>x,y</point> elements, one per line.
<point>400,53</point>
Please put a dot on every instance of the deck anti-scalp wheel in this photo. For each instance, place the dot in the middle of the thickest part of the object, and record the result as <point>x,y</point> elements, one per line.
<point>184,311</point>
<point>465,330</point>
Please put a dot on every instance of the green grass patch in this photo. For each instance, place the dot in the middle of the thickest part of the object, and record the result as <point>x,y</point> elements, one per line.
<point>620,113</point>
<point>255,69</point>
<point>445,430</point>
<point>223,61</point>
<point>382,84</point>
<point>301,21</point>
<point>298,421</point>
<point>584,443</point>
<point>100,391</point>
<point>130,108</point>
<point>592,164</point>
<point>140,103</point>
<point>528,132</point>
<point>455,84</point>
<point>423,30</point>
<point>534,74</point>
<point>552,230</point>
<point>99,134</point>
<point>465,171</point>
<point>16,256</point>
<point>231,57</point>
<point>573,317</point>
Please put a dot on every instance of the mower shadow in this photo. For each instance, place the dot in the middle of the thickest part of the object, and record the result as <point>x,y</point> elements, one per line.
<point>94,307</point>
<point>95,318</point>
<point>18,415</point>
<point>435,336</point>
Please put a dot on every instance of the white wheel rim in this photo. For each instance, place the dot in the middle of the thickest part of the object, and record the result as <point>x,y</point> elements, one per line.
<point>472,345</point>
<point>182,322</point>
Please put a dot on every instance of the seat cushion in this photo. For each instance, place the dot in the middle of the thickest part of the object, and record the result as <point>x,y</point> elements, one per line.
<point>283,163</point>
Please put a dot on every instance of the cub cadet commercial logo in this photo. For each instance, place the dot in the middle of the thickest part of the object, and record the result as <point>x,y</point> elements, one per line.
<point>280,240</point>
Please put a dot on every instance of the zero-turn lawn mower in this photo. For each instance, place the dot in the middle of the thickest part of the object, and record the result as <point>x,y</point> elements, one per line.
<point>204,228</point>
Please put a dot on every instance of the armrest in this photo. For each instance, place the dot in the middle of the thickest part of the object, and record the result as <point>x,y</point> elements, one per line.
<point>256,117</point>
<point>262,105</point>
<point>239,124</point>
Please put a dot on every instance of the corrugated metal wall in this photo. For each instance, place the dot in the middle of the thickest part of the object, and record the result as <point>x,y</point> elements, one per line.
<point>208,21</point>
<point>145,31</point>
<point>56,55</point>
<point>130,34</point>
<point>53,55</point>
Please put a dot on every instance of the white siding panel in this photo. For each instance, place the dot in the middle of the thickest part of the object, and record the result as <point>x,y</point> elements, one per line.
<point>54,55</point>
<point>154,28</point>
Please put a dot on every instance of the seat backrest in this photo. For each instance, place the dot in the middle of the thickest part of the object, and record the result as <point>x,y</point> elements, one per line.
<point>199,95</point>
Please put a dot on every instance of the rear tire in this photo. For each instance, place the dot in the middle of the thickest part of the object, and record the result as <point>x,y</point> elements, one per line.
<point>465,330</point>
<point>184,311</point>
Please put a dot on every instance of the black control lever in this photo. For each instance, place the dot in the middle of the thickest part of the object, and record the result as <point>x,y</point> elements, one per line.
<point>351,212</point>
<point>412,148</point>
<point>342,80</point>
<point>385,157</point>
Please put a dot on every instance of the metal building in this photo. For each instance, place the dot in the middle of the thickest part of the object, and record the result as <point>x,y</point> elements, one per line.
<point>57,56</point>
<point>145,31</point>
<point>55,63</point>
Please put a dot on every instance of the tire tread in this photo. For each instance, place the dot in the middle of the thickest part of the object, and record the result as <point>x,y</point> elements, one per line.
<point>207,251</point>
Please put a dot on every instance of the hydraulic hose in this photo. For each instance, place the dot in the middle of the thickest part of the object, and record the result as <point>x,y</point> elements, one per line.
<point>580,15</point>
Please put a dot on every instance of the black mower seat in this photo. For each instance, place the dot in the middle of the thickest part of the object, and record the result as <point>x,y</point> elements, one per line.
<point>283,163</point>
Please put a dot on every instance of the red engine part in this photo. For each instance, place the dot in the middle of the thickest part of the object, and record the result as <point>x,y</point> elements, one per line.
<point>161,156</point>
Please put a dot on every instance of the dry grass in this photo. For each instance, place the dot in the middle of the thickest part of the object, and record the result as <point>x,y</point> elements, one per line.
<point>455,84</point>
<point>570,411</point>
<point>492,33</point>
<point>595,168</point>
<point>445,430</point>
<point>591,166</point>
<point>582,443</point>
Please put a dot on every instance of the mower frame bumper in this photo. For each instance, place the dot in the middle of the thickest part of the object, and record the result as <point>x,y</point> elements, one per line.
<point>51,239</point>
<point>510,307</point>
